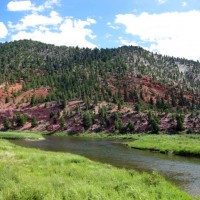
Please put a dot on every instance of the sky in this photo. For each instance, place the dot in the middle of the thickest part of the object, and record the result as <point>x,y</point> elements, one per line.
<point>168,27</point>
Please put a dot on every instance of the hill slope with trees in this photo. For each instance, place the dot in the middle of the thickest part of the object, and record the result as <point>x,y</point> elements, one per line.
<point>125,89</point>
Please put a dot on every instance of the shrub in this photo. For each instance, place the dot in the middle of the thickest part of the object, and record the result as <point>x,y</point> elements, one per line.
<point>130,127</point>
<point>62,122</point>
<point>34,122</point>
<point>7,99</point>
<point>21,119</point>
<point>6,123</point>
<point>87,120</point>
<point>179,121</point>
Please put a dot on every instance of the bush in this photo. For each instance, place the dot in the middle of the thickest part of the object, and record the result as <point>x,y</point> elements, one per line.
<point>62,122</point>
<point>130,127</point>
<point>119,126</point>
<point>21,119</point>
<point>179,121</point>
<point>87,120</point>
<point>34,122</point>
<point>6,123</point>
<point>137,107</point>
<point>154,123</point>
<point>7,99</point>
<point>154,126</point>
<point>54,120</point>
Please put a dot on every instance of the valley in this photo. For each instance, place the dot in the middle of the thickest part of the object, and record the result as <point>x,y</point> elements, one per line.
<point>120,106</point>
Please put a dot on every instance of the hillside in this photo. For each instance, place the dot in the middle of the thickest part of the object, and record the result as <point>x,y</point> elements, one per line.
<point>127,89</point>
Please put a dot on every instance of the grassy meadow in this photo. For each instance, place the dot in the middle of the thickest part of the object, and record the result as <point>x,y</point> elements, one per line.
<point>185,145</point>
<point>30,174</point>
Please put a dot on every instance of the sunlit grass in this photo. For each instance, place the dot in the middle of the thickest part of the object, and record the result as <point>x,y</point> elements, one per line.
<point>19,135</point>
<point>188,145</point>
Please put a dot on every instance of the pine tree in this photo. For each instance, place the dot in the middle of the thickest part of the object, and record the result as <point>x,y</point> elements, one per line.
<point>125,94</point>
<point>154,126</point>
<point>63,104</point>
<point>6,87</point>
<point>6,123</point>
<point>130,127</point>
<point>151,103</point>
<point>141,95</point>
<point>21,119</point>
<point>119,126</point>
<point>104,117</point>
<point>33,100</point>
<point>179,121</point>
<point>54,120</point>
<point>137,107</point>
<point>158,102</point>
<point>62,122</point>
<point>34,122</point>
<point>87,120</point>
<point>7,99</point>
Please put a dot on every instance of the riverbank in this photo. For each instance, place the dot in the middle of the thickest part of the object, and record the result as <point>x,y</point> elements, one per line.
<point>93,135</point>
<point>34,174</point>
<point>13,135</point>
<point>184,145</point>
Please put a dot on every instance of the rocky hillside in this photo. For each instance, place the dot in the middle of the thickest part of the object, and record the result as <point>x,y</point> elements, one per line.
<point>127,89</point>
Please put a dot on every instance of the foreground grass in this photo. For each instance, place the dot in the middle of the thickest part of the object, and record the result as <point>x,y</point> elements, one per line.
<point>20,135</point>
<point>185,145</point>
<point>34,174</point>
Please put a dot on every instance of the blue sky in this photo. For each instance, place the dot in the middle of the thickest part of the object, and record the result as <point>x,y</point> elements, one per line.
<point>169,27</point>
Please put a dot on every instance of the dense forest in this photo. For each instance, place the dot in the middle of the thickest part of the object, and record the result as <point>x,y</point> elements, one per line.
<point>125,89</point>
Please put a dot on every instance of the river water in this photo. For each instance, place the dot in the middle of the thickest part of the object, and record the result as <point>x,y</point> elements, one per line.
<point>182,171</point>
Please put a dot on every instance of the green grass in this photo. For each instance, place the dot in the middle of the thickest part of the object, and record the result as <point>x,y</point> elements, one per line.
<point>37,175</point>
<point>20,135</point>
<point>94,135</point>
<point>106,135</point>
<point>185,145</point>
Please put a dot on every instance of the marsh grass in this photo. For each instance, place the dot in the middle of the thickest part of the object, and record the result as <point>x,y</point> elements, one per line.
<point>185,145</point>
<point>36,175</point>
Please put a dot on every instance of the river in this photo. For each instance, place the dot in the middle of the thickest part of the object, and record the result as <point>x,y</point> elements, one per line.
<point>182,171</point>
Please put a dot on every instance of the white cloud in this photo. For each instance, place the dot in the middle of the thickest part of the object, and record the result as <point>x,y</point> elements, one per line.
<point>127,43</point>
<point>173,33</point>
<point>184,4</point>
<point>70,33</point>
<point>91,21</point>
<point>3,30</point>
<point>35,19</point>
<point>47,4</point>
<point>52,28</point>
<point>19,5</point>
<point>112,26</point>
<point>107,35</point>
<point>162,1</point>
<point>27,5</point>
